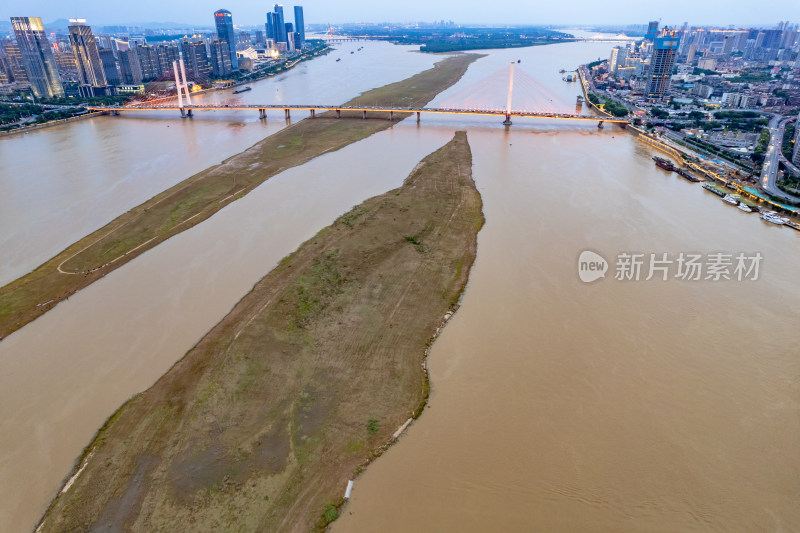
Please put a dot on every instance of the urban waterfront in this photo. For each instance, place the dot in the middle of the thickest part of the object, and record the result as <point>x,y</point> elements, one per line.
<point>555,404</point>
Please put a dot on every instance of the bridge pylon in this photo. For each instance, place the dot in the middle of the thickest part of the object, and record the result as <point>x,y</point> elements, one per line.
<point>507,121</point>
<point>182,86</point>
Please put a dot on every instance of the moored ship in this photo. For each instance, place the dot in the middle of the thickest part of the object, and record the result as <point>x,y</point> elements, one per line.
<point>685,174</point>
<point>731,199</point>
<point>775,218</point>
<point>242,90</point>
<point>666,164</point>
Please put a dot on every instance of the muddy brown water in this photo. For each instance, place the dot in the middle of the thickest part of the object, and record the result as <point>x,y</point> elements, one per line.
<point>64,182</point>
<point>556,405</point>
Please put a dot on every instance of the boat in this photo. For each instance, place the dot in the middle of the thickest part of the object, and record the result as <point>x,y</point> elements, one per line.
<point>730,199</point>
<point>666,164</point>
<point>709,187</point>
<point>685,174</point>
<point>242,90</point>
<point>775,218</point>
<point>744,207</point>
<point>338,59</point>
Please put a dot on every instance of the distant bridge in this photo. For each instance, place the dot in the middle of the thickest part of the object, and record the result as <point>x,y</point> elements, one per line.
<point>186,107</point>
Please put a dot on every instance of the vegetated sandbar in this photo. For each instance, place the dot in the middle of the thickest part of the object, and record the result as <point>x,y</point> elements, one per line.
<point>200,196</point>
<point>261,424</point>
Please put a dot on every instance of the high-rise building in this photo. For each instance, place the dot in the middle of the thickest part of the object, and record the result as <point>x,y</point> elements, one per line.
<point>691,54</point>
<point>772,38</point>
<point>148,62</point>
<point>299,27</point>
<point>652,31</point>
<point>225,34</point>
<point>727,44</point>
<point>270,26</point>
<point>15,62</point>
<point>220,58</point>
<point>110,70</point>
<point>167,53</point>
<point>617,59</point>
<point>276,26</point>
<point>196,60</point>
<point>281,24</point>
<point>260,37</point>
<point>37,57</point>
<point>665,48</point>
<point>5,71</point>
<point>129,68</point>
<point>290,42</point>
<point>87,59</point>
<point>66,65</point>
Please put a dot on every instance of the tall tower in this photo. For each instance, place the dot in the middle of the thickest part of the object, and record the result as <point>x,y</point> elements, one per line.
<point>665,49</point>
<point>37,57</point>
<point>299,27</point>
<point>225,34</point>
<point>280,25</point>
<point>87,58</point>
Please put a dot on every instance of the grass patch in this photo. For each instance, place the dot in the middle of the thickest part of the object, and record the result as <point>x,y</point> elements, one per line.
<point>373,425</point>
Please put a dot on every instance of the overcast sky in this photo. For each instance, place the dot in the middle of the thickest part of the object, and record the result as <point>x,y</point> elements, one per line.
<point>247,12</point>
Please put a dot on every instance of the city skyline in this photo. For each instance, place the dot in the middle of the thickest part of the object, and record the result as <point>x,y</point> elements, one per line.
<point>504,12</point>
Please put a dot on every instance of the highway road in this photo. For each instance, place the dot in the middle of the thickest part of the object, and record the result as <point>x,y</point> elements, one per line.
<point>788,164</point>
<point>769,171</point>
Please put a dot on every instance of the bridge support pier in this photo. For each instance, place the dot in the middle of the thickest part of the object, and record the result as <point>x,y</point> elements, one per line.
<point>507,121</point>
<point>391,116</point>
<point>287,114</point>
<point>189,113</point>
<point>365,115</point>
<point>600,125</point>
<point>312,111</point>
<point>183,112</point>
<point>418,114</point>
<point>338,113</point>
<point>262,113</point>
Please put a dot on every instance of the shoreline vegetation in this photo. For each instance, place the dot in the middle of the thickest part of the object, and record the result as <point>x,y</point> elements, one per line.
<point>450,38</point>
<point>260,426</point>
<point>197,198</point>
<point>453,39</point>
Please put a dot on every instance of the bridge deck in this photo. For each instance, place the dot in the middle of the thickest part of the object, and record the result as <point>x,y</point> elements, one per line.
<point>435,110</point>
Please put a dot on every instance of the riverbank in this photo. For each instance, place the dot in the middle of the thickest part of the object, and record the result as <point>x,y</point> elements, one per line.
<point>200,196</point>
<point>26,129</point>
<point>262,423</point>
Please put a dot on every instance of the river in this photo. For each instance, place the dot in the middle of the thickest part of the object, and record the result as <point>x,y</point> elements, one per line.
<point>556,405</point>
<point>62,183</point>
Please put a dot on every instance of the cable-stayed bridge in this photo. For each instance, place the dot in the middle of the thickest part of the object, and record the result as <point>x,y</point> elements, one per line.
<point>480,98</point>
